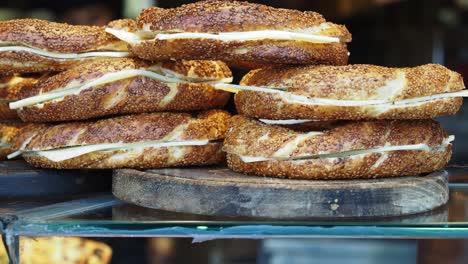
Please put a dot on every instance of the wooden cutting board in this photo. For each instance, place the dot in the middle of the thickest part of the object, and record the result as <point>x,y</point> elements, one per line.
<point>219,191</point>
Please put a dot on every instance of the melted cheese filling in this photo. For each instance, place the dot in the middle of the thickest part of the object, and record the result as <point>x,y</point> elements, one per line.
<point>57,55</point>
<point>384,149</point>
<point>61,154</point>
<point>73,89</point>
<point>293,98</point>
<point>137,38</point>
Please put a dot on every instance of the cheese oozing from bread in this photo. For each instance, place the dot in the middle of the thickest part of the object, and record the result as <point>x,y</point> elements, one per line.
<point>61,154</point>
<point>154,72</point>
<point>293,98</point>
<point>57,55</point>
<point>311,35</point>
<point>384,149</point>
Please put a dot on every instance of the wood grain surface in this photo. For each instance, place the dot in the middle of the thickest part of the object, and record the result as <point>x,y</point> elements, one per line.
<point>219,191</point>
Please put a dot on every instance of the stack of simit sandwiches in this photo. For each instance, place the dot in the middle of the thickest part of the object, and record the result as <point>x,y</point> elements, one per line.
<point>303,113</point>
<point>98,106</point>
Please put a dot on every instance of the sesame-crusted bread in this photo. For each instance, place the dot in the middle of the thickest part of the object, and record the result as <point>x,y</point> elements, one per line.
<point>356,92</point>
<point>12,136</point>
<point>10,89</point>
<point>208,129</point>
<point>217,17</point>
<point>33,45</point>
<point>185,86</point>
<point>366,149</point>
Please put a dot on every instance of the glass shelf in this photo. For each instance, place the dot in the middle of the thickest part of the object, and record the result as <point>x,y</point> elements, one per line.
<point>104,215</point>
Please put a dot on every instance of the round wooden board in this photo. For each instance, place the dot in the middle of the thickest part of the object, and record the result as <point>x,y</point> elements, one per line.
<point>219,191</point>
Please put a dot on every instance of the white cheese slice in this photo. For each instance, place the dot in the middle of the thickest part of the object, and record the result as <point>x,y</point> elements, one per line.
<point>4,145</point>
<point>136,38</point>
<point>129,37</point>
<point>106,78</point>
<point>57,55</point>
<point>423,147</point>
<point>62,154</point>
<point>293,98</point>
<point>251,35</point>
<point>21,149</point>
<point>286,121</point>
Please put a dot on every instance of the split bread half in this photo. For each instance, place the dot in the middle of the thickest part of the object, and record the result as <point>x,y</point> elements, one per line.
<point>10,89</point>
<point>351,92</point>
<point>13,136</point>
<point>240,33</point>
<point>366,149</point>
<point>33,45</point>
<point>122,86</point>
<point>135,141</point>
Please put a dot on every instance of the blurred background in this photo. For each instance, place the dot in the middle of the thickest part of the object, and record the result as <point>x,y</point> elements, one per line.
<point>385,32</point>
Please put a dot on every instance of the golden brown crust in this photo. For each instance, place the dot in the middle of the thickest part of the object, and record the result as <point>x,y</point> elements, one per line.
<point>396,164</point>
<point>97,68</point>
<point>10,89</point>
<point>244,54</point>
<point>144,159</point>
<point>271,106</point>
<point>27,132</point>
<point>6,113</point>
<point>247,137</point>
<point>8,133</point>
<point>229,16</point>
<point>351,82</point>
<point>233,16</point>
<point>26,62</point>
<point>126,97</point>
<point>57,37</point>
<point>132,95</point>
<point>359,81</point>
<point>210,125</point>
<point>53,37</point>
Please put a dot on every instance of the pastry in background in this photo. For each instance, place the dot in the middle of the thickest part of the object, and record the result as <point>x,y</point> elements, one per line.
<point>63,250</point>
